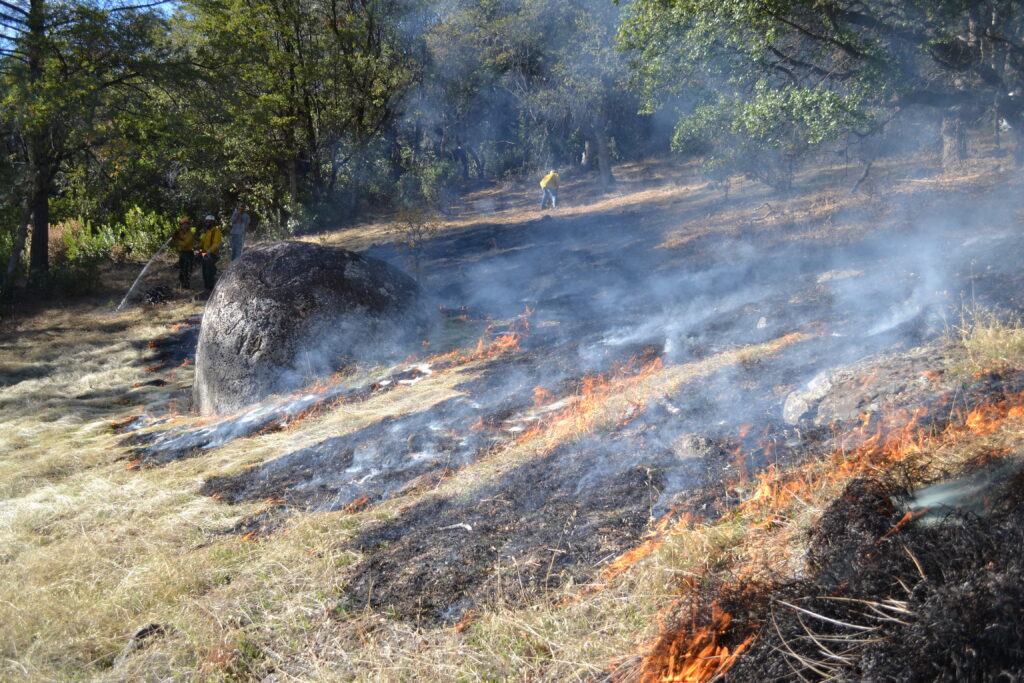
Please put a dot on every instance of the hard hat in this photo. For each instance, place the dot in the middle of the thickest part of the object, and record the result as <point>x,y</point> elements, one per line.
<point>209,218</point>
<point>184,221</point>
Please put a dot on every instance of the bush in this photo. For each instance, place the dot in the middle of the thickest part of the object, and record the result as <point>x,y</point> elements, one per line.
<point>135,239</point>
<point>77,248</point>
<point>413,228</point>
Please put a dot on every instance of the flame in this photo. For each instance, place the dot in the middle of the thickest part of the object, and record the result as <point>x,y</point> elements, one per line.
<point>698,654</point>
<point>491,344</point>
<point>592,402</point>
<point>356,505</point>
<point>664,528</point>
<point>467,619</point>
<point>541,396</point>
<point>694,655</point>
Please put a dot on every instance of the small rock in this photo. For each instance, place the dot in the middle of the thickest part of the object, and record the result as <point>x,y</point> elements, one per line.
<point>800,402</point>
<point>139,641</point>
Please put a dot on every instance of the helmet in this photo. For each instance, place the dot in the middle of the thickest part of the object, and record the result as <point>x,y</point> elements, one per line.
<point>184,221</point>
<point>209,218</point>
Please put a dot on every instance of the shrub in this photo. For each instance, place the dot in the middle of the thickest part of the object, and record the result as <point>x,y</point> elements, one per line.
<point>412,228</point>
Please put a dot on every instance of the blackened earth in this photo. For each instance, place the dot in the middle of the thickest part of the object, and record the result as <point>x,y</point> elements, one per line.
<point>603,289</point>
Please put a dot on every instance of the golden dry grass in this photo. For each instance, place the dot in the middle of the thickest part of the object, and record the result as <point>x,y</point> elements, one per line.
<point>988,341</point>
<point>90,552</point>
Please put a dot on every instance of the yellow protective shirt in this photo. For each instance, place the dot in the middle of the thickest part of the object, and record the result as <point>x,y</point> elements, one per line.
<point>551,180</point>
<point>210,241</point>
<point>184,240</point>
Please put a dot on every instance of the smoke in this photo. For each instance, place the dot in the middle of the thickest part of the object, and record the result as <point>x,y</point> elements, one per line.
<point>603,291</point>
<point>877,272</point>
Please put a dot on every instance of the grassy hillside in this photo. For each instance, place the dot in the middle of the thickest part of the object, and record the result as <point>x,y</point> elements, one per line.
<point>121,568</point>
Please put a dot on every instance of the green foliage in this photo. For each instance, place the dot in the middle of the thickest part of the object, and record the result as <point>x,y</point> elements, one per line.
<point>764,135</point>
<point>135,238</point>
<point>778,78</point>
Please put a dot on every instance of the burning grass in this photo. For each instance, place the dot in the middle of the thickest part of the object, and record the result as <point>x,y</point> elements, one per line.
<point>784,504</point>
<point>92,554</point>
<point>614,398</point>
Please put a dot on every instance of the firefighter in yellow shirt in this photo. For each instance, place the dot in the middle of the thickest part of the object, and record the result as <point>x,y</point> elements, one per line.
<point>184,241</point>
<point>549,185</point>
<point>209,250</point>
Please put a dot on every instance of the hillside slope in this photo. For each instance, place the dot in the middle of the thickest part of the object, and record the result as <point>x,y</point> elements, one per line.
<point>645,431</point>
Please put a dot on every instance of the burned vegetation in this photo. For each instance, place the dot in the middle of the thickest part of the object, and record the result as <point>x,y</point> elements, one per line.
<point>890,599</point>
<point>585,395</point>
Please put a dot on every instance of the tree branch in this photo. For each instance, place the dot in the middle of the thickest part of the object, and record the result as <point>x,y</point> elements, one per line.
<point>14,8</point>
<point>130,8</point>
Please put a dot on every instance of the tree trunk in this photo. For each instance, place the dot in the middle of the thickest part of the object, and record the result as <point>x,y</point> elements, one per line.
<point>39,147</point>
<point>39,252</point>
<point>293,183</point>
<point>585,158</point>
<point>954,142</point>
<point>604,160</point>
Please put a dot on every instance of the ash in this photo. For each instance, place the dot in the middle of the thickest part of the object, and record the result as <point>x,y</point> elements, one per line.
<point>604,289</point>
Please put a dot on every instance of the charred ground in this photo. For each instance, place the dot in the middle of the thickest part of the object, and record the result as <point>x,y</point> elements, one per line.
<point>633,365</point>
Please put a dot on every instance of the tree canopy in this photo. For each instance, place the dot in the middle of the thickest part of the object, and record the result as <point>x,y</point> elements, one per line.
<point>317,110</point>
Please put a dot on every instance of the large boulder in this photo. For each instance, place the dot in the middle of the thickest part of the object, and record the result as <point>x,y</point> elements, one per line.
<point>288,312</point>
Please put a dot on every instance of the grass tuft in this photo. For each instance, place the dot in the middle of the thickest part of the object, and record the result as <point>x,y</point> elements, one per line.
<point>989,341</point>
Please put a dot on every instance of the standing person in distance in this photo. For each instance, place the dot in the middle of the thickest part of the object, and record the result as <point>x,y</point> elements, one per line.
<point>209,250</point>
<point>239,226</point>
<point>549,184</point>
<point>184,241</point>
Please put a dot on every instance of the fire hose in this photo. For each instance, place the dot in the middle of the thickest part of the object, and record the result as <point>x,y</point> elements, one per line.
<point>141,274</point>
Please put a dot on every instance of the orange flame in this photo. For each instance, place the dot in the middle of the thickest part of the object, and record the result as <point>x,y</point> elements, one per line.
<point>467,619</point>
<point>587,406</point>
<point>690,654</point>
<point>541,396</point>
<point>356,505</point>
<point>696,656</point>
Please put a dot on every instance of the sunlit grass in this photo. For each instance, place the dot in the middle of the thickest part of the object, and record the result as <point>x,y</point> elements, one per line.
<point>986,341</point>
<point>91,553</point>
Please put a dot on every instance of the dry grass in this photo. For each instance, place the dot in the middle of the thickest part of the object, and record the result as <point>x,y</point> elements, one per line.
<point>90,553</point>
<point>988,341</point>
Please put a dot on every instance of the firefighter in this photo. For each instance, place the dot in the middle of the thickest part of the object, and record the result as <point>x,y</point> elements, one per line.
<point>184,240</point>
<point>549,185</point>
<point>209,250</point>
